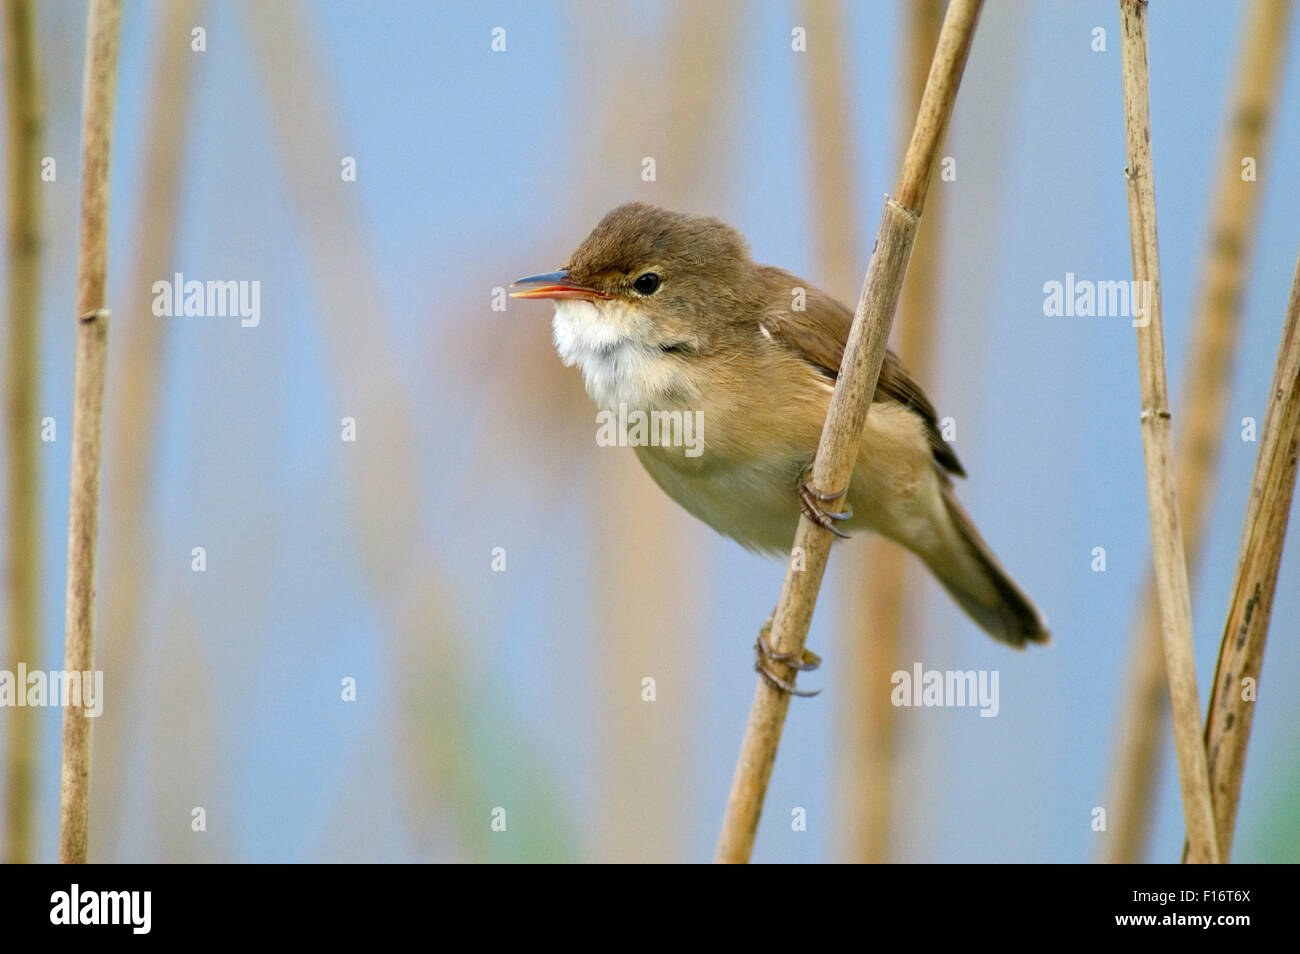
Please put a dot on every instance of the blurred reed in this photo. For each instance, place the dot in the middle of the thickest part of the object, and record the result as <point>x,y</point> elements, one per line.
<point>834,159</point>
<point>183,775</point>
<point>443,748</point>
<point>1215,335</point>
<point>134,419</point>
<point>102,32</point>
<point>639,536</point>
<point>918,325</point>
<point>1157,442</point>
<point>25,127</point>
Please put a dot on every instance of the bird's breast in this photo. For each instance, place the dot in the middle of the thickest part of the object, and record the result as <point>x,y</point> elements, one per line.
<point>612,346</point>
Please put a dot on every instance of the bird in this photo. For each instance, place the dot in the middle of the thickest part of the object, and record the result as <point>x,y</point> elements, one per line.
<point>666,313</point>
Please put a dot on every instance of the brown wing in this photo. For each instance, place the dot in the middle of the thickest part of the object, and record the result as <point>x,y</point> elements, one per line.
<point>818,335</point>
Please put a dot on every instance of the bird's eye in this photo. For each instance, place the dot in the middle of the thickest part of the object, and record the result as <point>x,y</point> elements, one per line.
<point>647,284</point>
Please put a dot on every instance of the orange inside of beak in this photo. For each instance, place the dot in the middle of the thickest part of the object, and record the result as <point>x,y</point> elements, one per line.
<point>559,292</point>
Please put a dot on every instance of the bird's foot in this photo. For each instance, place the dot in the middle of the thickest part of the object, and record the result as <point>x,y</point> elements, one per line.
<point>811,501</point>
<point>805,660</point>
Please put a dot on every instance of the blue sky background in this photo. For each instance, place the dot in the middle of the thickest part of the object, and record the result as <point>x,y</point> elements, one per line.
<point>476,167</point>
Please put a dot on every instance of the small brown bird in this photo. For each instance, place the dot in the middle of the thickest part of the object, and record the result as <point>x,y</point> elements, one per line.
<point>666,313</point>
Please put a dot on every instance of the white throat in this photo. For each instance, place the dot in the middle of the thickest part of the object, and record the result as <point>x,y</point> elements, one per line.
<point>607,342</point>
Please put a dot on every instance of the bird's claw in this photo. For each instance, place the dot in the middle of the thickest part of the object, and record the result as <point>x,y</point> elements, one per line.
<point>811,500</point>
<point>805,660</point>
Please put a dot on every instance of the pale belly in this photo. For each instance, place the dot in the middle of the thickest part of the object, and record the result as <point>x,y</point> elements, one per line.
<point>754,503</point>
<point>894,492</point>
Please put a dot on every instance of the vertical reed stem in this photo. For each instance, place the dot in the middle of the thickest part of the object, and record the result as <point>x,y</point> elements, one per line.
<point>103,27</point>
<point>24,110</point>
<point>850,402</point>
<point>1209,375</point>
<point>1157,442</point>
<point>879,604</point>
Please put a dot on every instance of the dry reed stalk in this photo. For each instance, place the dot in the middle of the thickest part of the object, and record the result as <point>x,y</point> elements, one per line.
<point>850,402</point>
<point>1241,653</point>
<point>25,115</point>
<point>1157,442</point>
<point>132,426</point>
<point>1214,347</point>
<point>103,27</point>
<point>880,590</point>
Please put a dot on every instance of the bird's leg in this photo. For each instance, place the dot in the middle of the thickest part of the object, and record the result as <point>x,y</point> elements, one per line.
<point>811,501</point>
<point>805,660</point>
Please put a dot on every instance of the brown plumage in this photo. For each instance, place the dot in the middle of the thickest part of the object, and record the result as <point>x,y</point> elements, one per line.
<point>667,312</point>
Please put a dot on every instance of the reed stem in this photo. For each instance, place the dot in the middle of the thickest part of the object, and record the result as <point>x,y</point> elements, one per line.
<point>103,28</point>
<point>1157,442</point>
<point>850,402</point>
<point>1241,653</point>
<point>1209,374</point>
<point>25,113</point>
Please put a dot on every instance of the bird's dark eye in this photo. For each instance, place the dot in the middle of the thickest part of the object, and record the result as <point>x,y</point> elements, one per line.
<point>647,284</point>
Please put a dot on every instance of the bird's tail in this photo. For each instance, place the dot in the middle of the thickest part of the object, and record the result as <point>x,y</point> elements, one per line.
<point>969,571</point>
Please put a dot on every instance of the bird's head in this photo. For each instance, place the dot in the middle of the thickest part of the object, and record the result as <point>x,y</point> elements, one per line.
<point>649,278</point>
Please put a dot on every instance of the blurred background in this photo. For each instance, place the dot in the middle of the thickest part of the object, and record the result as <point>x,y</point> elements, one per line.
<point>480,688</point>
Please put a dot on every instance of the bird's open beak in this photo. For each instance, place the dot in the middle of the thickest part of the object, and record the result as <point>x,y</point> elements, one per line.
<point>553,285</point>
